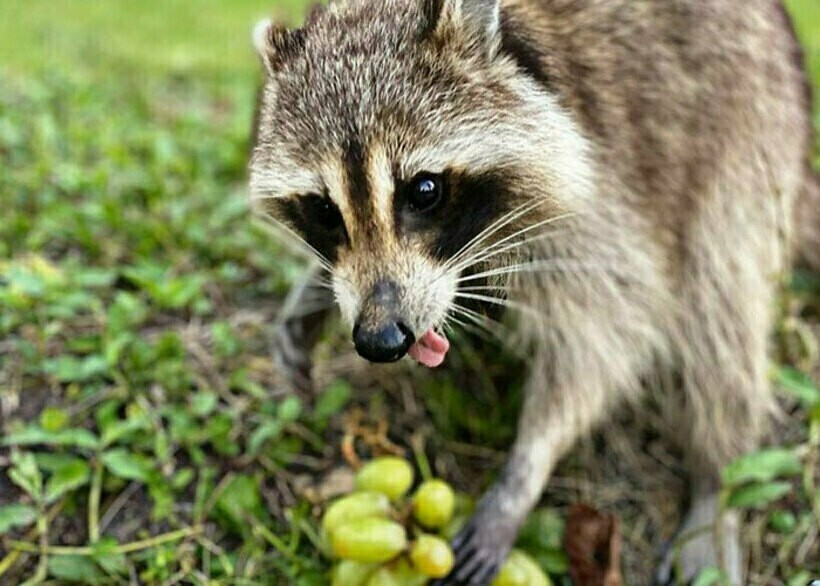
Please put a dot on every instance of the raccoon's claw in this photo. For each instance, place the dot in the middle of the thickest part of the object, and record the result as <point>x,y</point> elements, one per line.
<point>695,549</point>
<point>291,355</point>
<point>479,553</point>
<point>663,573</point>
<point>666,577</point>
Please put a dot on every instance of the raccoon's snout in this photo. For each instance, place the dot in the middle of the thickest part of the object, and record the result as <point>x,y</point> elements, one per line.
<point>379,335</point>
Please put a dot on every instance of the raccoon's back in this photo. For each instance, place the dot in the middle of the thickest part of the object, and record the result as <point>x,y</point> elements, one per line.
<point>672,93</point>
<point>809,223</point>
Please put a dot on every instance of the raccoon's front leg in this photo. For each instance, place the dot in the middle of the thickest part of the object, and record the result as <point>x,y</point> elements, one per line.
<point>548,425</point>
<point>299,326</point>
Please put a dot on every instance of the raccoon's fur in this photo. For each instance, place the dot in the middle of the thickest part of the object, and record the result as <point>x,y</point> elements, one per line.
<point>625,176</point>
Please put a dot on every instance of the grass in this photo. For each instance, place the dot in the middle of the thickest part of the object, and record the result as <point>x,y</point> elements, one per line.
<point>143,439</point>
<point>153,37</point>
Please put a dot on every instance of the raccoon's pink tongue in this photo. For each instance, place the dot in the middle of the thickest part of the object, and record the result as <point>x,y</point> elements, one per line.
<point>430,349</point>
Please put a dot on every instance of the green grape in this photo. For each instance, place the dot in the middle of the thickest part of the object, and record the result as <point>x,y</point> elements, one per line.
<point>355,506</point>
<point>433,504</point>
<point>350,573</point>
<point>389,475</point>
<point>521,570</point>
<point>372,540</point>
<point>399,573</point>
<point>432,556</point>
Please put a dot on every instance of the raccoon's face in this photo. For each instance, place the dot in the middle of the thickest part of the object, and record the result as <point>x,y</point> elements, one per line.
<point>401,142</point>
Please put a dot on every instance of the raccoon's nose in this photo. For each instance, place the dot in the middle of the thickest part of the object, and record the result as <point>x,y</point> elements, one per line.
<point>386,343</point>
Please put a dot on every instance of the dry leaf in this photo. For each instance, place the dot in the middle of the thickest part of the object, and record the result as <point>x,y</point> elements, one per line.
<point>592,541</point>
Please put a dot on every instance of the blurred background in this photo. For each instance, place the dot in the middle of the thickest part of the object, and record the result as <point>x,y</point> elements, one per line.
<point>142,438</point>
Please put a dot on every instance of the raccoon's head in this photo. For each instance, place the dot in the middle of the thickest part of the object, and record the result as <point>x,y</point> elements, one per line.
<point>403,142</point>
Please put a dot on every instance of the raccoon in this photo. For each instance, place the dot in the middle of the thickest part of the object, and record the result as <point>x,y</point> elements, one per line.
<point>628,180</point>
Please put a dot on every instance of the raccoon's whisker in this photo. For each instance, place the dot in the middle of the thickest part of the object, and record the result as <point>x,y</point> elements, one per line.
<point>506,303</point>
<point>447,266</point>
<point>493,250</point>
<point>531,227</point>
<point>494,227</point>
<point>322,282</point>
<point>466,311</point>
<point>449,320</point>
<point>288,236</point>
<point>461,251</point>
<point>327,282</point>
<point>323,285</point>
<point>498,288</point>
<point>499,247</point>
<point>309,309</point>
<point>471,327</point>
<point>469,313</point>
<point>477,321</point>
<point>545,266</point>
<point>485,326</point>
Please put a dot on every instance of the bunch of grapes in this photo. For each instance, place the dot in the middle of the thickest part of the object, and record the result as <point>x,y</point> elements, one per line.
<point>380,537</point>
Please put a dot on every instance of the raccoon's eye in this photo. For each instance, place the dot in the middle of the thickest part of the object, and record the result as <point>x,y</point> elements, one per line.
<point>425,192</point>
<point>324,212</point>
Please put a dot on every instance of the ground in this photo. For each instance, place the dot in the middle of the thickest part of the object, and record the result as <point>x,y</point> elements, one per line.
<point>143,436</point>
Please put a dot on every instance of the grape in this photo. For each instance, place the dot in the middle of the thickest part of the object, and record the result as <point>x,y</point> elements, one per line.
<point>355,506</point>
<point>456,524</point>
<point>433,504</point>
<point>371,539</point>
<point>384,577</point>
<point>400,573</point>
<point>521,570</point>
<point>389,475</point>
<point>432,556</point>
<point>511,574</point>
<point>350,573</point>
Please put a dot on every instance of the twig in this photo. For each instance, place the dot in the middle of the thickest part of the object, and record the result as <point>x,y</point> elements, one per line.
<point>7,562</point>
<point>417,442</point>
<point>42,564</point>
<point>213,548</point>
<point>121,549</point>
<point>274,540</point>
<point>115,507</point>
<point>94,495</point>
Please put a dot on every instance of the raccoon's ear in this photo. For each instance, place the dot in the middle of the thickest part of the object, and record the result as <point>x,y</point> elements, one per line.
<point>276,43</point>
<point>474,24</point>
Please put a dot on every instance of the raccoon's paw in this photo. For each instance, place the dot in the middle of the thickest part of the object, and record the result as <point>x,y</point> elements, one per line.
<point>480,550</point>
<point>292,359</point>
<point>696,547</point>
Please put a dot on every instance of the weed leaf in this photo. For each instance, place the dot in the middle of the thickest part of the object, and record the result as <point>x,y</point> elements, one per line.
<point>74,568</point>
<point>67,478</point>
<point>17,515</point>
<point>332,400</point>
<point>762,466</point>
<point>758,495</point>
<point>33,435</point>
<point>120,462</point>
